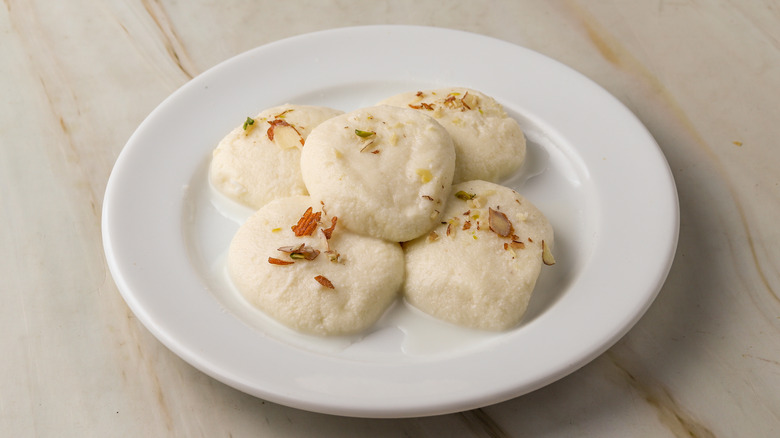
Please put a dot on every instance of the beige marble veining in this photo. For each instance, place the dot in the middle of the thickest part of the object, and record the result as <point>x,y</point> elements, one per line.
<point>77,77</point>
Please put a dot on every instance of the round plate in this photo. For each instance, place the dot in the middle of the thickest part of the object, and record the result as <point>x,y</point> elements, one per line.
<point>592,168</point>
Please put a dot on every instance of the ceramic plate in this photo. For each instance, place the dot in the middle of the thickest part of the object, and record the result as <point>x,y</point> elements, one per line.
<point>592,168</point>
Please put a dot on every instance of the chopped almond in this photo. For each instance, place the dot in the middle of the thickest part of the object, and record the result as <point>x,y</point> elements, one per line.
<point>449,101</point>
<point>324,282</point>
<point>307,223</point>
<point>333,256</point>
<point>467,225</point>
<point>469,101</point>
<point>287,140</point>
<point>282,114</point>
<point>547,256</point>
<point>300,252</point>
<point>499,223</point>
<point>516,245</point>
<point>329,231</point>
<point>274,261</point>
<point>422,105</point>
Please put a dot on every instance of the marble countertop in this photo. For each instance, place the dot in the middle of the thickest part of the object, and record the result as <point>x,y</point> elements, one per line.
<point>77,78</point>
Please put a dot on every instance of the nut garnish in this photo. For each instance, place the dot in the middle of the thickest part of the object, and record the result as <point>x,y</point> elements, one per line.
<point>422,105</point>
<point>300,252</point>
<point>329,231</point>
<point>333,256</point>
<point>514,245</point>
<point>477,201</point>
<point>464,196</point>
<point>249,123</point>
<point>547,256</point>
<point>467,225</point>
<point>275,261</point>
<point>432,236</point>
<point>287,137</point>
<point>283,114</point>
<point>324,282</point>
<point>307,223</point>
<point>499,223</point>
<point>364,134</point>
<point>469,101</point>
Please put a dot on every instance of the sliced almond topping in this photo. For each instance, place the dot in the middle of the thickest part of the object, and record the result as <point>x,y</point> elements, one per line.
<point>427,197</point>
<point>285,134</point>
<point>274,261</point>
<point>499,223</point>
<point>300,252</point>
<point>291,249</point>
<point>333,256</point>
<point>516,245</point>
<point>283,114</point>
<point>367,146</point>
<point>477,202</point>
<point>450,101</point>
<point>467,225</point>
<point>469,101</point>
<point>547,256</point>
<point>307,223</point>
<point>324,282</point>
<point>329,231</point>
<point>432,236</point>
<point>422,105</point>
<point>449,229</point>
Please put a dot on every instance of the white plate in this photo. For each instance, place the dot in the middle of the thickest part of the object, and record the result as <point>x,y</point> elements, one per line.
<point>592,168</point>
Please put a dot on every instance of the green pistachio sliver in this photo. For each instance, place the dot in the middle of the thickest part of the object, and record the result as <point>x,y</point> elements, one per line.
<point>364,134</point>
<point>464,196</point>
<point>248,122</point>
<point>297,256</point>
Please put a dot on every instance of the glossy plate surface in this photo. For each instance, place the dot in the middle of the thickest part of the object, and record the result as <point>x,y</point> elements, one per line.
<point>592,168</point>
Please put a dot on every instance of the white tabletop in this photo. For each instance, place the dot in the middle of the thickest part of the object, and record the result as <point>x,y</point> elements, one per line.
<point>77,78</point>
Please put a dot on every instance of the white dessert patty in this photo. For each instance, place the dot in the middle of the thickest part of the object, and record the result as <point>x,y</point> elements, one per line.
<point>489,144</point>
<point>475,277</point>
<point>366,278</point>
<point>250,168</point>
<point>384,171</point>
